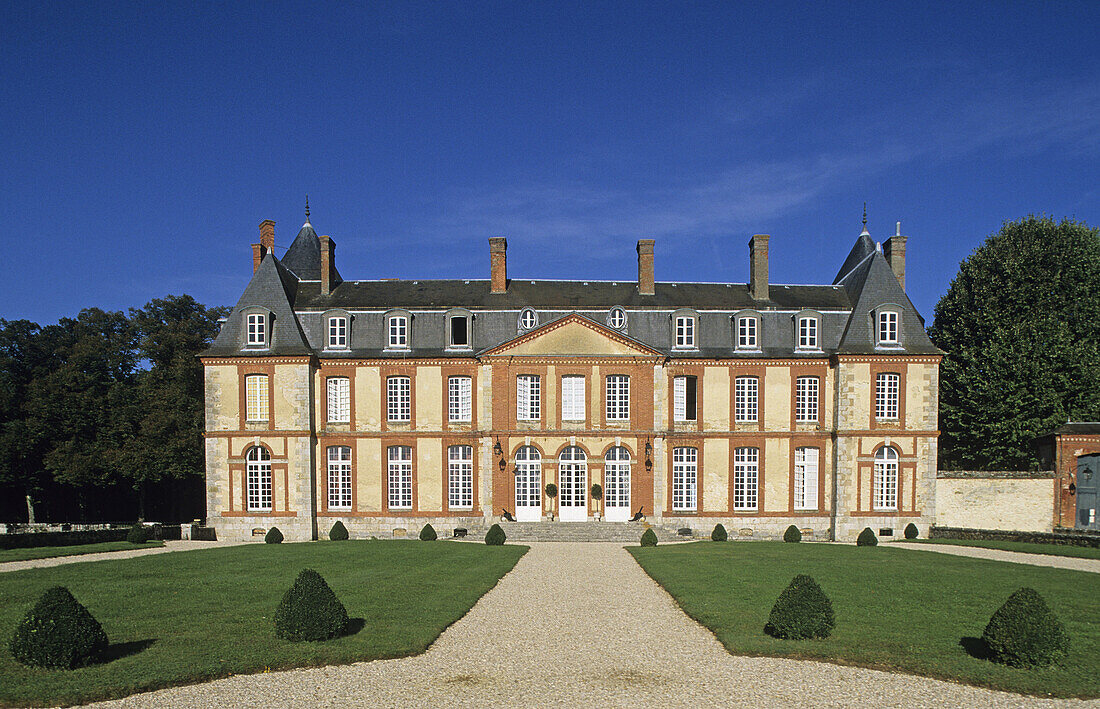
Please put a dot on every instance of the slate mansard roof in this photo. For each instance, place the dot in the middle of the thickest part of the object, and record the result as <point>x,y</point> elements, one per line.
<point>289,291</point>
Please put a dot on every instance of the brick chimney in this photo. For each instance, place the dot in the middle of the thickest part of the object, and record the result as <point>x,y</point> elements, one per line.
<point>328,264</point>
<point>645,266</point>
<point>894,251</point>
<point>498,264</point>
<point>758,267</point>
<point>266,245</point>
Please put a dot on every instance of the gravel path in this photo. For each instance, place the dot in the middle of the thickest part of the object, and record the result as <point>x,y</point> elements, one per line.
<point>1060,562</point>
<point>579,625</point>
<point>169,546</point>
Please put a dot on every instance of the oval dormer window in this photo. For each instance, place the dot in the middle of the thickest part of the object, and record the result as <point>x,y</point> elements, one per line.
<point>616,318</point>
<point>528,319</point>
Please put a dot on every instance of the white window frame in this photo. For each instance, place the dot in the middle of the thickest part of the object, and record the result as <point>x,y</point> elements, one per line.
<point>886,479</point>
<point>397,329</point>
<point>617,477</point>
<point>337,332</point>
<point>528,397</point>
<point>746,476</point>
<point>808,332</point>
<point>399,477</point>
<point>528,319</point>
<point>685,477</point>
<point>748,332</point>
<point>459,399</point>
<point>468,344</point>
<point>684,332</point>
<point>679,400</point>
<point>617,397</point>
<point>256,330</point>
<point>258,495</point>
<point>616,318</point>
<point>339,477</point>
<point>339,399</point>
<point>806,468</point>
<point>806,399</point>
<point>572,397</point>
<point>746,400</point>
<point>398,399</point>
<point>460,477</point>
<point>887,396</point>
<point>888,324</point>
<point>256,387</point>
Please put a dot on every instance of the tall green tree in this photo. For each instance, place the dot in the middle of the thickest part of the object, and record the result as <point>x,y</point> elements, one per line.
<point>1020,324</point>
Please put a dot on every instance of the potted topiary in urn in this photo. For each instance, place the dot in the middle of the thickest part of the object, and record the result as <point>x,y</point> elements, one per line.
<point>552,493</point>
<point>597,495</point>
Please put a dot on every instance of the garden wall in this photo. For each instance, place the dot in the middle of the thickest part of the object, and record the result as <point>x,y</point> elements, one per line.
<point>1005,500</point>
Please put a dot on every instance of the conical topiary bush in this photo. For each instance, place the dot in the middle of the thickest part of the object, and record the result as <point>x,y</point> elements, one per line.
<point>792,535</point>
<point>866,538</point>
<point>649,538</point>
<point>801,612</point>
<point>273,536</point>
<point>310,610</point>
<point>1024,632</point>
<point>427,534</point>
<point>495,537</point>
<point>338,533</point>
<point>58,632</point>
<point>719,534</point>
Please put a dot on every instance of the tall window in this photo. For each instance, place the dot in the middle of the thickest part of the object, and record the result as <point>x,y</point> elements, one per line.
<point>685,331</point>
<point>337,332</point>
<point>683,398</point>
<point>807,333</point>
<point>886,396</point>
<point>399,332</point>
<point>746,333</point>
<point>528,477</point>
<point>805,478</point>
<point>684,468</point>
<point>339,400</point>
<point>745,469</point>
<point>460,477</point>
<point>745,399</point>
<point>458,399</point>
<point>255,386</point>
<point>258,494</point>
<point>339,478</point>
<point>886,479</point>
<point>805,400</point>
<point>888,328</point>
<point>618,397</point>
<point>528,397</point>
<point>398,399</point>
<point>400,477</point>
<point>460,331</point>
<point>257,330</point>
<point>616,477</point>
<point>572,398</point>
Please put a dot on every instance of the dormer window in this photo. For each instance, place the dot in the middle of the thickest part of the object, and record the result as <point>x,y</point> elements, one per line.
<point>747,331</point>
<point>398,329</point>
<point>458,329</point>
<point>257,330</point>
<point>807,333</point>
<point>888,327</point>
<point>337,332</point>
<point>684,332</point>
<point>616,318</point>
<point>528,319</point>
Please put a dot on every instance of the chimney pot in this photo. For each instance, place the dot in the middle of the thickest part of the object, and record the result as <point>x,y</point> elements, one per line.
<point>894,251</point>
<point>498,264</point>
<point>758,267</point>
<point>645,266</point>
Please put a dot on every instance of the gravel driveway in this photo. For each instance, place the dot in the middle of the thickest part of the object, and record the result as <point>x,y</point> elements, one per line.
<point>169,546</point>
<point>579,625</point>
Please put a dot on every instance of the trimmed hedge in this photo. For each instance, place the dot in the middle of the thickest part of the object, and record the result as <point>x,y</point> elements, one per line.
<point>1076,538</point>
<point>31,540</point>
<point>1024,632</point>
<point>495,537</point>
<point>273,536</point>
<point>338,533</point>
<point>911,531</point>
<point>310,610</point>
<point>58,632</point>
<point>427,534</point>
<point>866,538</point>
<point>719,534</point>
<point>138,534</point>
<point>792,535</point>
<point>801,612</point>
<point>649,538</point>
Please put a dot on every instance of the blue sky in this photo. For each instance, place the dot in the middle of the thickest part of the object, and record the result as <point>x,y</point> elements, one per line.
<point>143,143</point>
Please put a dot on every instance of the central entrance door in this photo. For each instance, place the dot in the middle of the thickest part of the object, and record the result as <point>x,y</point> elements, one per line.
<point>528,485</point>
<point>572,485</point>
<point>616,478</point>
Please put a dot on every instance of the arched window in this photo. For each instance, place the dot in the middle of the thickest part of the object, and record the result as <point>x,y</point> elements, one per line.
<point>573,484</point>
<point>886,479</point>
<point>616,482</point>
<point>339,478</point>
<point>258,473</point>
<point>528,484</point>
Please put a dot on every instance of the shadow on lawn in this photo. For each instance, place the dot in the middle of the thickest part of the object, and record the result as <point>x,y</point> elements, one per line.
<point>116,651</point>
<point>975,647</point>
<point>354,626</point>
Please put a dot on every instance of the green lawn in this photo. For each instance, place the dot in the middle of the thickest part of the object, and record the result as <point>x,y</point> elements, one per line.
<point>51,552</point>
<point>1025,547</point>
<point>896,609</point>
<point>192,616</point>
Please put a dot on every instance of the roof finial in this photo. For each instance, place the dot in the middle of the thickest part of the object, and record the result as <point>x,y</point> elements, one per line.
<point>865,221</point>
<point>307,210</point>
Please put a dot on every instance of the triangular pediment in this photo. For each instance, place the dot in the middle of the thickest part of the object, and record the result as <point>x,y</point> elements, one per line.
<point>572,336</point>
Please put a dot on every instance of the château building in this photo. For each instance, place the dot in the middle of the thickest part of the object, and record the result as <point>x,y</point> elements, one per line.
<point>387,404</point>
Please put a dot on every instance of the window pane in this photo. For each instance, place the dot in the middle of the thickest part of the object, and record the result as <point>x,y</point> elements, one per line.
<point>528,397</point>
<point>888,327</point>
<point>805,478</point>
<point>256,397</point>
<point>806,396</point>
<point>398,399</point>
<point>399,331</point>
<point>339,400</point>
<point>886,479</point>
<point>459,399</point>
<point>886,396</point>
<point>684,462</point>
<point>339,477</point>
<point>745,399</point>
<point>746,332</point>
<point>400,477</point>
<point>807,332</point>
<point>337,332</point>
<point>685,332</point>
<point>572,398</point>
<point>618,397</point>
<point>460,475</point>
<point>745,462</point>
<point>258,493</point>
<point>683,398</point>
<point>257,329</point>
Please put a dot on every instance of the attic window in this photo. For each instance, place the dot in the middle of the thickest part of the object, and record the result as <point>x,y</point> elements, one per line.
<point>616,318</point>
<point>528,319</point>
<point>460,331</point>
<point>807,333</point>
<point>337,332</point>
<point>398,332</point>
<point>888,328</point>
<point>257,330</point>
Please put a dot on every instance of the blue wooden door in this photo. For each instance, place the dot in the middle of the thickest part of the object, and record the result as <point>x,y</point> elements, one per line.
<point>1088,492</point>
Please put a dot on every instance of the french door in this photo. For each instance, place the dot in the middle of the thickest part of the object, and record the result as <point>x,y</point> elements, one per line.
<point>528,485</point>
<point>616,478</point>
<point>572,485</point>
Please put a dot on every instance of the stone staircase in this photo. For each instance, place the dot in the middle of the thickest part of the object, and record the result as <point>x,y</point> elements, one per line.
<point>622,532</point>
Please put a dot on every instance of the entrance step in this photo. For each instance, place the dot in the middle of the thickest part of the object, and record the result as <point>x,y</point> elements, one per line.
<point>623,532</point>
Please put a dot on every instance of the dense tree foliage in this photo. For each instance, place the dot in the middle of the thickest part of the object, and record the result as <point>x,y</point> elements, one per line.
<point>1021,331</point>
<point>100,406</point>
